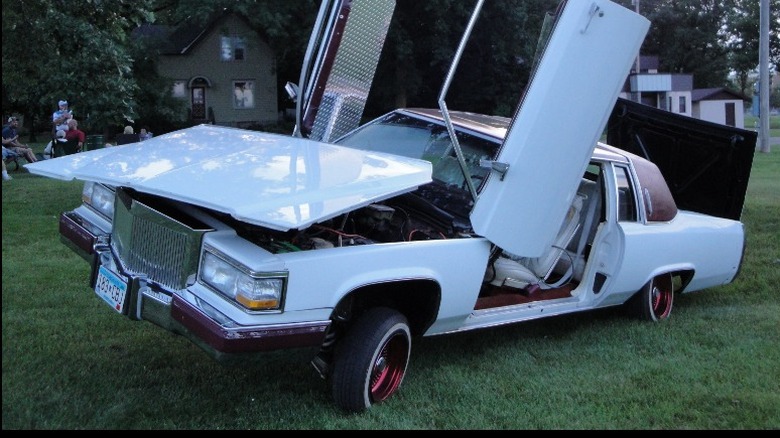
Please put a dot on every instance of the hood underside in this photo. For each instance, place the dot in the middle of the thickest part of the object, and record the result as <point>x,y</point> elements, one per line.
<point>706,165</point>
<point>271,180</point>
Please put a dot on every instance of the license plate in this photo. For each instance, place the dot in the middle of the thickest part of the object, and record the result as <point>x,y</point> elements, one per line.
<point>111,288</point>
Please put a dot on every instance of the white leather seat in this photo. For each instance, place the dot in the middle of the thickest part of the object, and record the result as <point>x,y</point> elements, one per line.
<point>520,272</point>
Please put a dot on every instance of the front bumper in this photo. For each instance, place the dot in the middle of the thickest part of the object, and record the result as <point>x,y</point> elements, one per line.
<point>79,234</point>
<point>182,312</point>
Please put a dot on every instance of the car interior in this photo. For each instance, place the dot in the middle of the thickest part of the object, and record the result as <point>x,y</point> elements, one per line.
<point>555,274</point>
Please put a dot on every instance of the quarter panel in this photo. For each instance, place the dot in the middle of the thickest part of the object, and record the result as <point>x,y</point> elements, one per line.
<point>711,246</point>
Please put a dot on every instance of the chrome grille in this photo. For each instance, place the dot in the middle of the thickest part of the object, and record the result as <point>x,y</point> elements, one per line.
<point>151,243</point>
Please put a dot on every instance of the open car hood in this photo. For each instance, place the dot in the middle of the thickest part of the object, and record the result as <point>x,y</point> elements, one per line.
<point>706,165</point>
<point>272,180</point>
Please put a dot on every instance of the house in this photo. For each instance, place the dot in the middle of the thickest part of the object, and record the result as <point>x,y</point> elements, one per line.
<point>223,69</point>
<point>668,91</point>
<point>719,105</point>
<point>674,92</point>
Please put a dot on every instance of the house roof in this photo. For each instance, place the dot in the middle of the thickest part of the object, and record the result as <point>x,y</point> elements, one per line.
<point>185,37</point>
<point>700,94</point>
<point>178,40</point>
<point>648,62</point>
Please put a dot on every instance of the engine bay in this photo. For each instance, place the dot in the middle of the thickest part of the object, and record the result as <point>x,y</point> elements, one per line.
<point>421,215</point>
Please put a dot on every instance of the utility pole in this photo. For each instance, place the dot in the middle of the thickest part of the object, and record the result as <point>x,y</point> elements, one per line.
<point>763,73</point>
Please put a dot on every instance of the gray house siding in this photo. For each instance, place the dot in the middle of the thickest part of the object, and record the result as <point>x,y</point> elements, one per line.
<point>203,60</point>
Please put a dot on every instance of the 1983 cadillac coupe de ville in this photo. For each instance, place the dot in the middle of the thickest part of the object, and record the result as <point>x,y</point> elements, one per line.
<point>353,240</point>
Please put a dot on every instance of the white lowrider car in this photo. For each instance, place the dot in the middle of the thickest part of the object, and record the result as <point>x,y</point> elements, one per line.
<point>422,222</point>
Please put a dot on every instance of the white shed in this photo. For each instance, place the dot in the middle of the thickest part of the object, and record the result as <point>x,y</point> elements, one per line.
<point>719,105</point>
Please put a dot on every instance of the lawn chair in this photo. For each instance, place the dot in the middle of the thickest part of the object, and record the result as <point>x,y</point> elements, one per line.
<point>66,148</point>
<point>13,158</point>
<point>127,138</point>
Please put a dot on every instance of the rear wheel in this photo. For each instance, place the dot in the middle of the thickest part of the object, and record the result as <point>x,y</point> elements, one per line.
<point>654,301</point>
<point>371,360</point>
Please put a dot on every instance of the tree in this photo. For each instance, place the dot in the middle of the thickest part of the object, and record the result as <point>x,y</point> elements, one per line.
<point>498,60</point>
<point>709,39</point>
<point>78,51</point>
<point>82,51</point>
<point>774,97</point>
<point>741,36</point>
<point>156,107</point>
<point>423,38</point>
<point>685,36</point>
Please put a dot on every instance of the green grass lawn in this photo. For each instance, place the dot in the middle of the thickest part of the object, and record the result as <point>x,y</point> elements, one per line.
<point>69,362</point>
<point>751,122</point>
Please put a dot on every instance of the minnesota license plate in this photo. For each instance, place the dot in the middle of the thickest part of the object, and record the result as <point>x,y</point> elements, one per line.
<point>111,288</point>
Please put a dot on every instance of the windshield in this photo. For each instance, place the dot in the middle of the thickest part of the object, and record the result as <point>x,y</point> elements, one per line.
<point>411,137</point>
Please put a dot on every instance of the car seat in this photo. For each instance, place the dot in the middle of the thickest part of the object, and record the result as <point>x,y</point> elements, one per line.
<point>520,272</point>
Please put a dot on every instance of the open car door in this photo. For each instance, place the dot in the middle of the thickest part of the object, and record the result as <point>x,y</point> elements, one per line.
<point>339,66</point>
<point>557,124</point>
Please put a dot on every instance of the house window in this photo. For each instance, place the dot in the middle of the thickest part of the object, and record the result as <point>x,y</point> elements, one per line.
<point>669,104</point>
<point>243,94</point>
<point>682,105</point>
<point>179,89</point>
<point>233,48</point>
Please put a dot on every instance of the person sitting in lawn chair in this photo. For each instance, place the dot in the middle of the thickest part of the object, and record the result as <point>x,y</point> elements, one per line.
<point>11,141</point>
<point>8,154</point>
<point>48,151</point>
<point>75,134</point>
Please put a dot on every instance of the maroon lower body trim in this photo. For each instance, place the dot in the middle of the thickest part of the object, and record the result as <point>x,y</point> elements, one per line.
<point>246,340</point>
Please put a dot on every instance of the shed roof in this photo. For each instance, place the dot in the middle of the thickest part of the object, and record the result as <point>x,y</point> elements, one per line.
<point>700,94</point>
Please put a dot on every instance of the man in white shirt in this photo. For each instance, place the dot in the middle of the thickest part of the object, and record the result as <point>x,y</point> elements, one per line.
<point>61,117</point>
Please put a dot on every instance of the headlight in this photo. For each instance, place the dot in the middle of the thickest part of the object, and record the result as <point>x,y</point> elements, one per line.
<point>255,292</point>
<point>99,197</point>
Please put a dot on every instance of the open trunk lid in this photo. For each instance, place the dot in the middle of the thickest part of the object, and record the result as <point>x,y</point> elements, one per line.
<point>706,165</point>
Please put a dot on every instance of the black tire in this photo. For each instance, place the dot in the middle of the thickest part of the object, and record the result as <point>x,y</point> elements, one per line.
<point>371,360</point>
<point>654,301</point>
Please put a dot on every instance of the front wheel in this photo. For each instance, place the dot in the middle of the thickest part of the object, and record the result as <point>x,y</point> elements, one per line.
<point>654,301</point>
<point>371,359</point>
